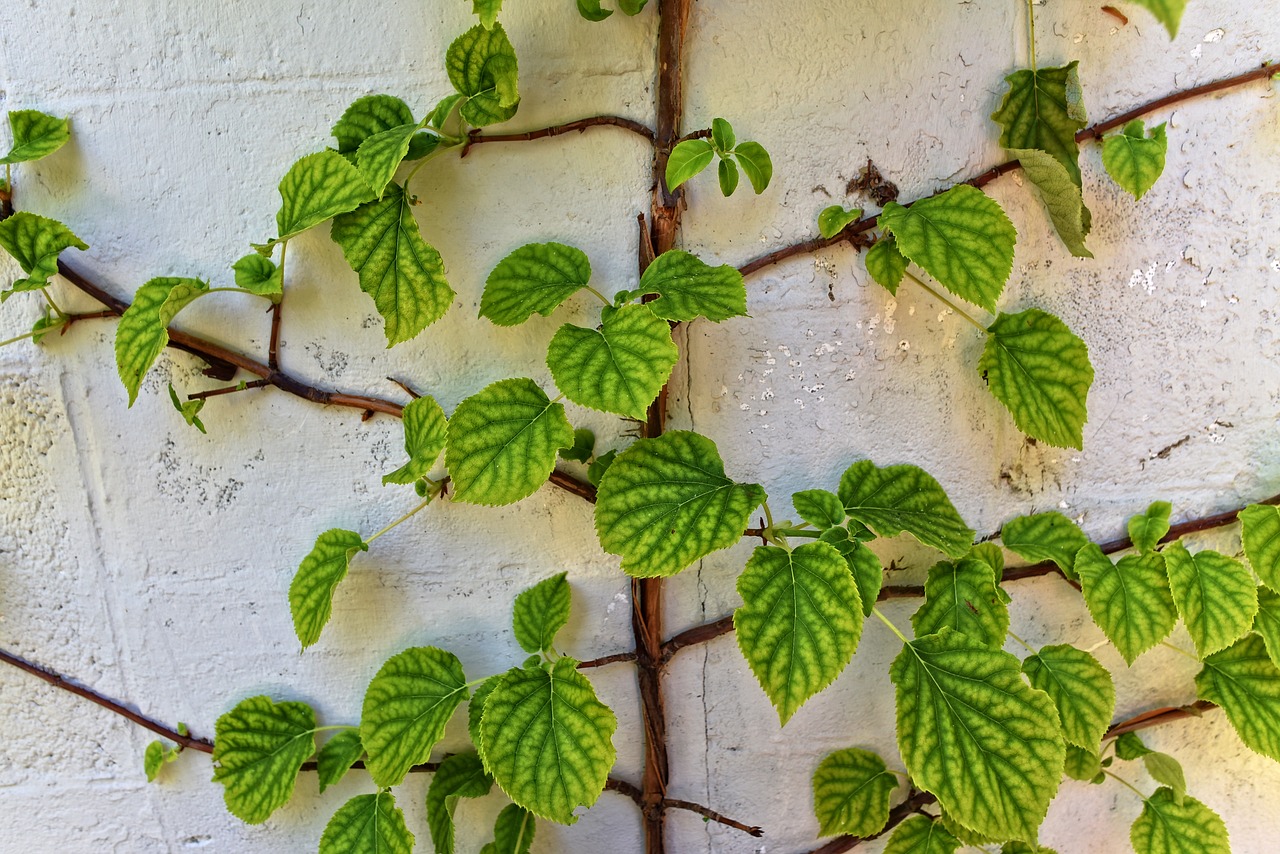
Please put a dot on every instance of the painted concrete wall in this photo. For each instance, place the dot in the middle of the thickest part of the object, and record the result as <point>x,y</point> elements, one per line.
<point>152,563</point>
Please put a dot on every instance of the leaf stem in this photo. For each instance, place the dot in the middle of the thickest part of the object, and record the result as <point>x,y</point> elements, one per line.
<point>1180,651</point>
<point>1023,643</point>
<point>431,495</point>
<point>53,305</point>
<point>32,334</point>
<point>891,626</point>
<point>1031,29</point>
<point>1125,783</point>
<point>948,303</point>
<point>434,154</point>
<point>335,726</point>
<point>602,297</point>
<point>797,532</point>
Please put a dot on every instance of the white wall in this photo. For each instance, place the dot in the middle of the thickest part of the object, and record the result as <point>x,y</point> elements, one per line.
<point>152,563</point>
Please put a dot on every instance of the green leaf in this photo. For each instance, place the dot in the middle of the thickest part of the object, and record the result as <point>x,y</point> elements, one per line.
<point>886,265</point>
<point>45,324</point>
<point>1168,826</point>
<point>799,623</point>
<point>835,219</point>
<point>1245,682</point>
<point>728,177</point>
<point>475,708</point>
<point>1267,622</point>
<point>35,242</point>
<point>597,469</point>
<point>900,498</point>
<point>584,444</point>
<point>1019,847</point>
<point>1081,764</point>
<point>259,746</point>
<point>337,756</point>
<point>152,759</point>
<point>921,835</point>
<point>367,824</point>
<point>1167,12</point>
<point>755,161</point>
<point>1081,689</point>
<point>1260,532</point>
<point>592,10</point>
<point>632,7</point>
<point>1215,596</point>
<point>368,116</point>
<point>189,410</point>
<point>513,832</point>
<point>990,554</point>
<point>1163,768</point>
<point>868,574</point>
<point>666,502</point>
<point>977,736</point>
<point>1146,530</point>
<point>321,571</point>
<point>35,135</point>
<point>819,508</point>
<point>1045,536</point>
<point>1042,110</point>
<point>1061,195</point>
<point>1129,747</point>
<point>1040,371</point>
<point>962,596</point>
<point>688,159</point>
<point>535,277</point>
<point>425,430</point>
<point>144,327</point>
<point>547,739</point>
<point>961,237</point>
<point>966,835</point>
<point>441,112</point>
<point>406,708</point>
<point>540,612</point>
<point>460,775</point>
<point>689,287</point>
<point>722,136</point>
<point>482,65</point>
<point>380,156</point>
<point>1129,600</point>
<point>1135,161</point>
<point>259,275</point>
<point>851,790</point>
<point>487,11</point>
<point>317,187</point>
<point>618,368</point>
<point>397,268</point>
<point>503,441</point>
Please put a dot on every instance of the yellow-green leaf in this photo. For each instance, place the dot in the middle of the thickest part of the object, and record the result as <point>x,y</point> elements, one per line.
<point>1045,536</point>
<point>367,824</point>
<point>317,187</point>
<point>1215,596</point>
<point>35,135</point>
<point>1172,825</point>
<point>337,756</point>
<point>1135,160</point>
<point>259,747</point>
<point>886,264</point>
<point>921,835</point>
<point>482,65</point>
<point>321,571</point>
<point>535,277</point>
<point>1167,12</point>
<point>1061,195</point>
<point>900,498</point>
<point>851,790</point>
<point>460,775</point>
<point>540,612</point>
<point>1260,532</point>
<point>1244,681</point>
<point>688,287</point>
<point>1129,600</point>
<point>963,596</point>
<point>425,431</point>
<point>1043,110</point>
<point>35,242</point>
<point>144,327</point>
<point>1147,529</point>
<point>1081,689</point>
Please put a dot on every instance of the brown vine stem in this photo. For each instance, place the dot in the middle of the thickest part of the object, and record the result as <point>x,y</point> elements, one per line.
<point>476,136</point>
<point>852,234</point>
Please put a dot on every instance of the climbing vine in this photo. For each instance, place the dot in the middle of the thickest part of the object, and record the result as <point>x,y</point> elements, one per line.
<point>984,736</point>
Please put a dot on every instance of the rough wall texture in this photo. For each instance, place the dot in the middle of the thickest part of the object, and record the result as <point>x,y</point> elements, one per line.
<point>152,562</point>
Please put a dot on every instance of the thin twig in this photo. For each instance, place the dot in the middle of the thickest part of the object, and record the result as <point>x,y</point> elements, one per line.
<point>231,389</point>
<point>915,802</point>
<point>273,348</point>
<point>616,658</point>
<point>1156,717</point>
<point>705,812</point>
<point>476,137</point>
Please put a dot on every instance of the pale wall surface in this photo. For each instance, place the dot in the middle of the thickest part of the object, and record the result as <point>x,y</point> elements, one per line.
<point>152,563</point>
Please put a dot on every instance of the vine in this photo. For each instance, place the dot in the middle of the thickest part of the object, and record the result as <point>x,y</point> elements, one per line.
<point>985,737</point>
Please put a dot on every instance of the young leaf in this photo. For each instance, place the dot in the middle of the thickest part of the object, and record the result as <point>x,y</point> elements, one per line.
<point>1135,161</point>
<point>35,243</point>
<point>835,218</point>
<point>540,612</point>
<point>316,188</point>
<point>1167,12</point>
<point>1260,532</point>
<point>503,441</point>
<point>1163,768</point>
<point>513,832</point>
<point>35,135</point>
<point>189,410</point>
<point>368,116</point>
<point>425,430</point>
<point>962,596</point>
<point>632,7</point>
<point>1062,197</point>
<point>406,708</point>
<point>482,65</point>
<point>367,824</point>
<point>728,177</point>
<point>1040,371</point>
<point>688,159</point>
<point>152,759</point>
<point>894,499</point>
<point>919,834</point>
<point>592,10</point>
<point>799,623</point>
<point>321,571</point>
<point>1042,110</point>
<point>755,161</point>
<point>535,277</point>
<point>584,443</point>
<point>1129,747</point>
<point>397,268</point>
<point>144,327</point>
<point>1148,529</point>
<point>722,136</point>
<point>961,237</point>
<point>1130,600</point>
<point>1245,682</point>
<point>548,740</point>
<point>1045,536</point>
<point>1215,596</point>
<point>259,275</point>
<point>851,790</point>
<point>487,11</point>
<point>337,756</point>
<point>1081,689</point>
<point>886,264</point>
<point>460,775</point>
<point>665,502</point>
<point>819,508</point>
<point>1267,622</point>
<point>690,287</point>
<point>381,154</point>
<point>1081,764</point>
<point>259,746</point>
<point>597,469</point>
<point>867,572</point>
<point>977,736</point>
<point>992,555</point>
<point>1170,826</point>
<point>618,368</point>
